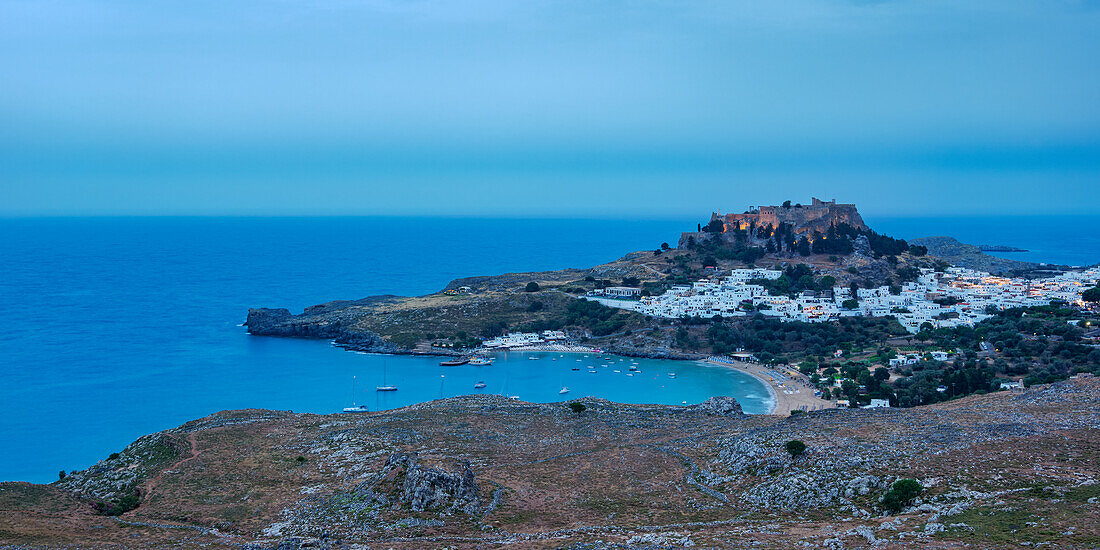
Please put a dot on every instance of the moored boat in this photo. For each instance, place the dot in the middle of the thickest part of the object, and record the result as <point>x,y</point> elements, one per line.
<point>454,362</point>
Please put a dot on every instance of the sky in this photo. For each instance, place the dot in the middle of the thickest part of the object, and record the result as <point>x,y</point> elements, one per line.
<point>592,108</point>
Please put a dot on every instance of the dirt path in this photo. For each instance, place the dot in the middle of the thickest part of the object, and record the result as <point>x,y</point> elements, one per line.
<point>194,453</point>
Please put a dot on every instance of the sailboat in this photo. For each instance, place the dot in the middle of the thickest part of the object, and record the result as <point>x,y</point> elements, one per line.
<point>384,386</point>
<point>480,384</point>
<point>354,408</point>
<point>564,390</point>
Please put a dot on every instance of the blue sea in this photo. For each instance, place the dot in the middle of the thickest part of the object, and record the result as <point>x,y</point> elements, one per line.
<point>118,327</point>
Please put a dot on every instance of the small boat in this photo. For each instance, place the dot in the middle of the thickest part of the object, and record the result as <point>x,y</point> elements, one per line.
<point>564,390</point>
<point>354,408</point>
<point>479,385</point>
<point>672,375</point>
<point>385,386</point>
<point>513,397</point>
<point>630,374</point>
<point>616,370</point>
<point>575,368</point>
<point>633,368</point>
<point>478,360</point>
<point>454,362</point>
<point>532,358</point>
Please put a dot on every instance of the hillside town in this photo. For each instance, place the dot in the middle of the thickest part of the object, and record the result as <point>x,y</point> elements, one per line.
<point>937,299</point>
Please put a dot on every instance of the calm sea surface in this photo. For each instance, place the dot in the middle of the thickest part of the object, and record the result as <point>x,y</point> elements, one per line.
<point>118,327</point>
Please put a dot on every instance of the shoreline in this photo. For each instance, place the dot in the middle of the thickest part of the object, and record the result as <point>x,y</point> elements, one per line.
<point>788,393</point>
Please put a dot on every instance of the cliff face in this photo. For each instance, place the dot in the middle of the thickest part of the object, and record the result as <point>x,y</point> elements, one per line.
<point>488,472</point>
<point>314,324</point>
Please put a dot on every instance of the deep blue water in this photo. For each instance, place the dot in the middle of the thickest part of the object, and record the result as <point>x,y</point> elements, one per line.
<point>118,327</point>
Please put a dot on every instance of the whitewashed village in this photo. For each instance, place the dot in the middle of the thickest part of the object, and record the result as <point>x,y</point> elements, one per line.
<point>954,297</point>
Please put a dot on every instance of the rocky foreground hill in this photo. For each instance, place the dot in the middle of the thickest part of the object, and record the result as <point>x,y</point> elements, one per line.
<point>1002,470</point>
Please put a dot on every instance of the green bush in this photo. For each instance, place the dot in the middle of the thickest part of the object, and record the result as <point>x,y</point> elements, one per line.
<point>119,506</point>
<point>577,407</point>
<point>531,287</point>
<point>901,494</point>
<point>795,447</point>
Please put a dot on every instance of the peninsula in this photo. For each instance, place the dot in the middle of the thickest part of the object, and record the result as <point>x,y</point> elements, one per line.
<point>811,292</point>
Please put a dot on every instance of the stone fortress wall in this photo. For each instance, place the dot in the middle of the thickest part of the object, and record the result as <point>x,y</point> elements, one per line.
<point>819,215</point>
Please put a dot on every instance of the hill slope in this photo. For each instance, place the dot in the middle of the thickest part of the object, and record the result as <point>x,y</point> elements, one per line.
<point>999,470</point>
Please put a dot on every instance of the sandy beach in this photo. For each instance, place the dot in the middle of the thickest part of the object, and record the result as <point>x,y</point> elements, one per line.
<point>790,391</point>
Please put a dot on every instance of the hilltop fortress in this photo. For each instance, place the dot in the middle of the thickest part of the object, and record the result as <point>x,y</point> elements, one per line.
<point>802,219</point>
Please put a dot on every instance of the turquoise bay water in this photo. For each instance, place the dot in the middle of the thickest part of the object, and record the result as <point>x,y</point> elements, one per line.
<point>118,327</point>
<point>539,377</point>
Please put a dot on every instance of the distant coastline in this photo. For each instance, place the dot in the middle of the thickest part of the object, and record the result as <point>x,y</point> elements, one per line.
<point>1000,248</point>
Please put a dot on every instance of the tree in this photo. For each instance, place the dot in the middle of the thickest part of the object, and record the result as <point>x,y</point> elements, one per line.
<point>532,287</point>
<point>901,494</point>
<point>850,303</point>
<point>631,281</point>
<point>807,368</point>
<point>577,407</point>
<point>664,246</point>
<point>61,475</point>
<point>1092,294</point>
<point>795,447</point>
<point>786,204</point>
<point>715,226</point>
<point>804,246</point>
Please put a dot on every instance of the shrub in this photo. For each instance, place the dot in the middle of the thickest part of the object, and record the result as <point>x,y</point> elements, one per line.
<point>531,287</point>
<point>300,459</point>
<point>901,494</point>
<point>120,506</point>
<point>795,447</point>
<point>112,456</point>
<point>577,407</point>
<point>535,306</point>
<point>61,475</point>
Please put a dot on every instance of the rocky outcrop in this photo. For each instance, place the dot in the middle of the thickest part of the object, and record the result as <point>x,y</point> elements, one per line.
<point>404,480</point>
<point>280,322</point>
<point>722,406</point>
<point>120,474</point>
<point>971,256</point>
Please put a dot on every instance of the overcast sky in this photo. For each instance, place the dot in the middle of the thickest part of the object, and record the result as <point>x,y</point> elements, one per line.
<point>555,108</point>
